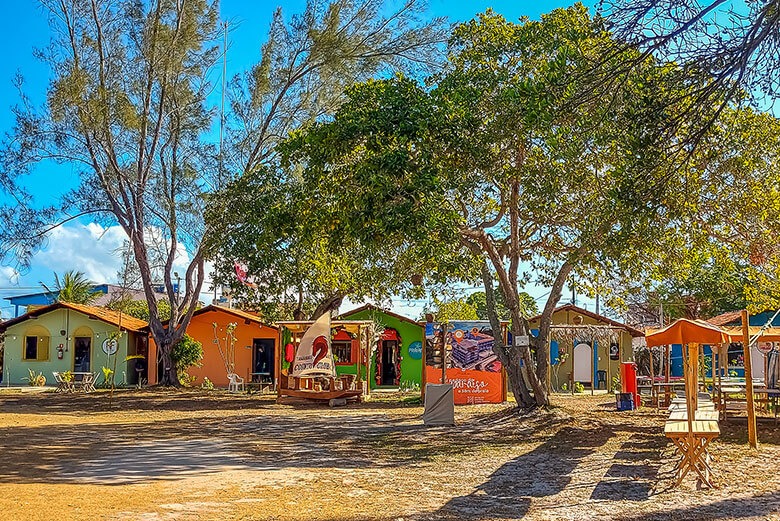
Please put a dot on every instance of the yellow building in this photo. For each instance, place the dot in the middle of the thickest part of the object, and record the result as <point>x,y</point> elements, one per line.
<point>586,347</point>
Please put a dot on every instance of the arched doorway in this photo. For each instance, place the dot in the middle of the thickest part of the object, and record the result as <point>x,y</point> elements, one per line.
<point>583,362</point>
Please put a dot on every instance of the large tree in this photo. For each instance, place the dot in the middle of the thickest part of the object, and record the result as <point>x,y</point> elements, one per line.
<point>127,111</point>
<point>297,257</point>
<point>494,161</point>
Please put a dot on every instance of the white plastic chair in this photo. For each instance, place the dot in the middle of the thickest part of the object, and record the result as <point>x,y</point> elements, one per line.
<point>236,383</point>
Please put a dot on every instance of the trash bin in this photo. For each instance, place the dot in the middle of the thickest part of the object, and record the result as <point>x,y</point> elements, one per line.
<point>625,401</point>
<point>628,381</point>
<point>439,405</point>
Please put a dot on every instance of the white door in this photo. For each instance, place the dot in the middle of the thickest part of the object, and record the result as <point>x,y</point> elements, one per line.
<point>583,363</point>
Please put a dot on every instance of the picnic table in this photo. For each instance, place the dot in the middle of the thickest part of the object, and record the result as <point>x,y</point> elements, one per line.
<point>666,388</point>
<point>733,391</point>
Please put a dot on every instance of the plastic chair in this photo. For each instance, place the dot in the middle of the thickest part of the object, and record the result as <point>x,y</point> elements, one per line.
<point>235,384</point>
<point>601,378</point>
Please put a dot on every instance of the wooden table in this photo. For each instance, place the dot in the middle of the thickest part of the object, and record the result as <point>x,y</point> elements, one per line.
<point>692,445</point>
<point>262,381</point>
<point>668,388</point>
<point>704,415</point>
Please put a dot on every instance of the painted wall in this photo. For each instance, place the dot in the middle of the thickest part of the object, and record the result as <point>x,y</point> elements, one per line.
<point>213,365</point>
<point>411,369</point>
<point>601,359</point>
<point>74,324</point>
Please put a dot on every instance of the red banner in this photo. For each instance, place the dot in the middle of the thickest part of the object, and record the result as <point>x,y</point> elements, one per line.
<point>470,386</point>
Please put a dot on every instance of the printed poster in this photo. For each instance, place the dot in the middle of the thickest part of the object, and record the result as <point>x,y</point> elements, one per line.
<point>473,368</point>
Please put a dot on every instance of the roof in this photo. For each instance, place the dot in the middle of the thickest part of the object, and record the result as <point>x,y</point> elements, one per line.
<point>371,307</point>
<point>726,318</point>
<point>108,316</point>
<point>244,315</point>
<point>634,332</point>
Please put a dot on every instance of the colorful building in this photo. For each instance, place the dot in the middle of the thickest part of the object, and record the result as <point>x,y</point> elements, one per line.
<point>586,347</point>
<point>233,341</point>
<point>397,360</point>
<point>65,337</point>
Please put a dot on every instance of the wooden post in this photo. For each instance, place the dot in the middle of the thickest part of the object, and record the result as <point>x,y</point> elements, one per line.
<point>751,405</point>
<point>444,352</point>
<point>423,376</point>
<point>652,377</point>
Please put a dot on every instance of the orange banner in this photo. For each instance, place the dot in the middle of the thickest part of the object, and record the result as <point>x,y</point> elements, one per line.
<point>470,386</point>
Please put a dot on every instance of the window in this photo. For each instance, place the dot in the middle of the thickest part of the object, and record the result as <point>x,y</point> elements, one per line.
<point>36,347</point>
<point>342,352</point>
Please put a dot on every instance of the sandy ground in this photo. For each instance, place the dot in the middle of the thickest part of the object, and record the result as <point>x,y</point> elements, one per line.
<point>153,455</point>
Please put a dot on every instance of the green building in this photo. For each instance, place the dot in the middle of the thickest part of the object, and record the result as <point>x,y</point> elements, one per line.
<point>397,359</point>
<point>71,337</point>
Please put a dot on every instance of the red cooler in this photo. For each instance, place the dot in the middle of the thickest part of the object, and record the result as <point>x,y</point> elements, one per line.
<point>628,380</point>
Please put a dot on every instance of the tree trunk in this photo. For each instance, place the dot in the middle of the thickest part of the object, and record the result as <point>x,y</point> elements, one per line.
<point>328,304</point>
<point>508,355</point>
<point>165,339</point>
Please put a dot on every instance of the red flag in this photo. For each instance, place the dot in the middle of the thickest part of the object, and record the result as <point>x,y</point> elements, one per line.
<point>241,274</point>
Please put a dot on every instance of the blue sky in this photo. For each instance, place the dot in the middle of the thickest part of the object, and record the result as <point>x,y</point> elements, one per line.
<point>90,247</point>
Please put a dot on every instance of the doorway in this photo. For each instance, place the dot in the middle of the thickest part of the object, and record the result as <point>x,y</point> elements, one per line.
<point>263,360</point>
<point>388,374</point>
<point>583,363</point>
<point>82,351</point>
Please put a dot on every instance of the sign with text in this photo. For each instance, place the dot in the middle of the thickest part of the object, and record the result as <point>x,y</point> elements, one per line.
<point>472,368</point>
<point>470,386</point>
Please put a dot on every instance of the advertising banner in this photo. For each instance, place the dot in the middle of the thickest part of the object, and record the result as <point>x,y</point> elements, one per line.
<point>473,368</point>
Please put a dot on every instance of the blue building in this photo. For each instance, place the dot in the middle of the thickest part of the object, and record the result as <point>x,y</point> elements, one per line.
<point>108,293</point>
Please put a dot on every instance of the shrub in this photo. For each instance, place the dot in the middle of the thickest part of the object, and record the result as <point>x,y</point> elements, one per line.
<point>35,380</point>
<point>186,353</point>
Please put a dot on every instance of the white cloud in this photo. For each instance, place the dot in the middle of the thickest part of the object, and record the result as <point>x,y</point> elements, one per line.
<point>94,250</point>
<point>91,249</point>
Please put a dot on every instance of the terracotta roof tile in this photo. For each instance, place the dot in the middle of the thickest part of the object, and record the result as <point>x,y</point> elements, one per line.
<point>106,315</point>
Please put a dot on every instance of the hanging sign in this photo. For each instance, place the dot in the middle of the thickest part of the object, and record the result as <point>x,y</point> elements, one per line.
<point>110,346</point>
<point>764,347</point>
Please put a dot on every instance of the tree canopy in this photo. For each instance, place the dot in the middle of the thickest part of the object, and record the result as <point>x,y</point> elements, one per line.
<point>490,159</point>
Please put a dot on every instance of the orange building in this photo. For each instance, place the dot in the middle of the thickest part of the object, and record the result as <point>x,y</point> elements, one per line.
<point>235,339</point>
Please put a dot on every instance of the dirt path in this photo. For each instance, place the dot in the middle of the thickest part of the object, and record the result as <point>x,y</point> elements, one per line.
<point>182,456</point>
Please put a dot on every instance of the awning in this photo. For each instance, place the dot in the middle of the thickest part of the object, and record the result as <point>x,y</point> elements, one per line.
<point>684,331</point>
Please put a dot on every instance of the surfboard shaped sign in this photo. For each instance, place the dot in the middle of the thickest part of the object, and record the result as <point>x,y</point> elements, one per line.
<point>314,355</point>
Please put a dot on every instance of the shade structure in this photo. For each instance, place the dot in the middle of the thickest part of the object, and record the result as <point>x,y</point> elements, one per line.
<point>771,334</point>
<point>684,331</point>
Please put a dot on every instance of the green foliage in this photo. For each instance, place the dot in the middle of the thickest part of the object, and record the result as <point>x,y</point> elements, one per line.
<point>578,387</point>
<point>186,353</point>
<point>298,256</point>
<point>497,158</point>
<point>528,305</point>
<point>74,287</point>
<point>451,309</point>
<point>207,384</point>
<point>126,115</point>
<point>140,308</point>
<point>35,379</point>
